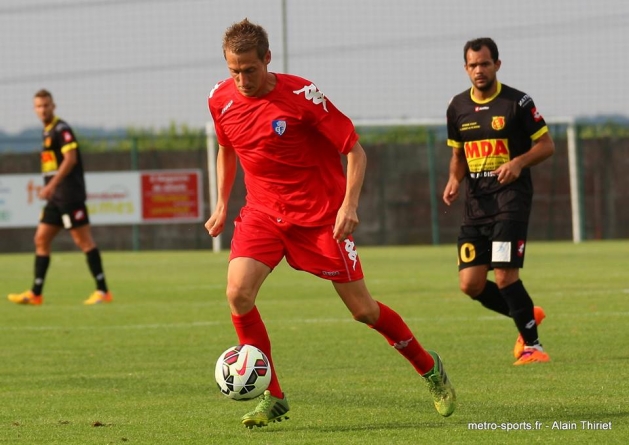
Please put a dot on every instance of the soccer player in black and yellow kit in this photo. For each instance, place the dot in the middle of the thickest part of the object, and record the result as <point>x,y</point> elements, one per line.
<point>64,191</point>
<point>496,134</point>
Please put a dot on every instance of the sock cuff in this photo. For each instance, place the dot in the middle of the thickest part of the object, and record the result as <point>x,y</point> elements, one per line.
<point>251,317</point>
<point>92,252</point>
<point>383,310</point>
<point>515,287</point>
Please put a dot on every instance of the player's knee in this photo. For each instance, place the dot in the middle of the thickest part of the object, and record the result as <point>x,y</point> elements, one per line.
<point>367,315</point>
<point>41,242</point>
<point>240,298</point>
<point>472,288</point>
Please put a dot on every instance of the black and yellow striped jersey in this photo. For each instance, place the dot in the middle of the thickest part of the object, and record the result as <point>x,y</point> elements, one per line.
<point>58,139</point>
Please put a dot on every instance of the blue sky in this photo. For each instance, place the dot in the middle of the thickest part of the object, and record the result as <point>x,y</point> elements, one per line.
<point>147,63</point>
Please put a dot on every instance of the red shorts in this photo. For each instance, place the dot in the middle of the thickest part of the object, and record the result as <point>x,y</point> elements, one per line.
<point>312,249</point>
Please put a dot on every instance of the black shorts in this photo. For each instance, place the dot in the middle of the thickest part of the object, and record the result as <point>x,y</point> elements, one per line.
<point>68,216</point>
<point>499,244</point>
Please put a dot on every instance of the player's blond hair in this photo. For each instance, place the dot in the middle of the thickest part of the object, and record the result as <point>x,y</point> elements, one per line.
<point>244,36</point>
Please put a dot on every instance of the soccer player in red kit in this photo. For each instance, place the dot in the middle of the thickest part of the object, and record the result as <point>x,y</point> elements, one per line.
<point>300,205</point>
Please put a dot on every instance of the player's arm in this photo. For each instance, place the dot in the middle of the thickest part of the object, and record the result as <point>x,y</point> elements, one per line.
<point>226,164</point>
<point>458,169</point>
<point>543,148</point>
<point>66,166</point>
<point>347,216</point>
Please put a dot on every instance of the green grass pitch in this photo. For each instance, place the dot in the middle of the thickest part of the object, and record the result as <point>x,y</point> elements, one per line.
<point>140,371</point>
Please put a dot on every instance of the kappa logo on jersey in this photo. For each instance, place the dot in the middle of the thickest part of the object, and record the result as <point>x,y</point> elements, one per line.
<point>350,248</point>
<point>536,115</point>
<point>487,154</point>
<point>312,93</point>
<point>67,136</point>
<point>216,88</point>
<point>498,122</point>
<point>279,126</point>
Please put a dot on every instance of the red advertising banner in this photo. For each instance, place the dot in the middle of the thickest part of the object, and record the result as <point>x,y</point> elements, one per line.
<point>171,195</point>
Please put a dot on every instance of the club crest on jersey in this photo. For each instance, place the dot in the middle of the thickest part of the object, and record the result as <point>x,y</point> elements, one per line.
<point>498,122</point>
<point>279,126</point>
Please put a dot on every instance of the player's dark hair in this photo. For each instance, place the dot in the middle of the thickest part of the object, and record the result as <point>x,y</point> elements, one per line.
<point>244,36</point>
<point>43,93</point>
<point>477,44</point>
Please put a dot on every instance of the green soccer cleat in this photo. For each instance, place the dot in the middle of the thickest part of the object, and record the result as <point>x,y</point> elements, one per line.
<point>440,387</point>
<point>270,409</point>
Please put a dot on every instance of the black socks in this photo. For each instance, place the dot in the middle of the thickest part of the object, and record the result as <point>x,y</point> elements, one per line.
<point>96,267</point>
<point>521,310</point>
<point>41,267</point>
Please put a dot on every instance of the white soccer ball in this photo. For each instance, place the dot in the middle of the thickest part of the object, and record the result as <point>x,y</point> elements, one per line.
<point>242,372</point>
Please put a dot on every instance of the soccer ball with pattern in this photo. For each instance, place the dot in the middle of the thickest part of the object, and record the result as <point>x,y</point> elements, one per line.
<point>242,372</point>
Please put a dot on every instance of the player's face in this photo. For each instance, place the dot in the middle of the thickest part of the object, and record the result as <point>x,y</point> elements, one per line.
<point>44,109</point>
<point>249,72</point>
<point>481,68</point>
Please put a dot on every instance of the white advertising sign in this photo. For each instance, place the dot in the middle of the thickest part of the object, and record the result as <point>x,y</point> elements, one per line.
<point>132,197</point>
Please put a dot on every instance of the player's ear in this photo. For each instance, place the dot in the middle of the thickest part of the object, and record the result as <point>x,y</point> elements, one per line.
<point>267,57</point>
<point>498,63</point>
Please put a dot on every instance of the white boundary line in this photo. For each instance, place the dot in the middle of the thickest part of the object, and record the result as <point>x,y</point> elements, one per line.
<point>197,324</point>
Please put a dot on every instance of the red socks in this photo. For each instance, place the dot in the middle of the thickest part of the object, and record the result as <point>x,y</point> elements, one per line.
<point>391,326</point>
<point>251,331</point>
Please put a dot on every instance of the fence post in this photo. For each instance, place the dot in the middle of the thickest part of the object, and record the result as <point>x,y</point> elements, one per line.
<point>432,183</point>
<point>135,228</point>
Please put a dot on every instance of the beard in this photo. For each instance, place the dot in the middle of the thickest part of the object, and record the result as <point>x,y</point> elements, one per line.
<point>487,86</point>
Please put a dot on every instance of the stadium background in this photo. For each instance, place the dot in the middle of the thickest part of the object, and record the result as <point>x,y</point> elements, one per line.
<point>116,66</point>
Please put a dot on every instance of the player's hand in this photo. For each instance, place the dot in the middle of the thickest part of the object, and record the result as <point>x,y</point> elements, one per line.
<point>508,172</point>
<point>346,223</point>
<point>216,223</point>
<point>47,191</point>
<point>451,192</point>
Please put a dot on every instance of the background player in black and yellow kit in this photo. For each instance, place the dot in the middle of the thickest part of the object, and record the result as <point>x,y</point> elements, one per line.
<point>64,191</point>
<point>496,134</point>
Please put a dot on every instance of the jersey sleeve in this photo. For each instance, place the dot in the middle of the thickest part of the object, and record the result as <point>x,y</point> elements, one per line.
<point>213,102</point>
<point>66,137</point>
<point>329,120</point>
<point>454,137</point>
<point>532,119</point>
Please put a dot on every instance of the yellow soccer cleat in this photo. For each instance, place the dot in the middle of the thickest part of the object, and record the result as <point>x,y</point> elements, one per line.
<point>99,297</point>
<point>26,297</point>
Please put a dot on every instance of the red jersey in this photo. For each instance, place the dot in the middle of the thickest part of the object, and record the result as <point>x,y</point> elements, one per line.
<point>289,143</point>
